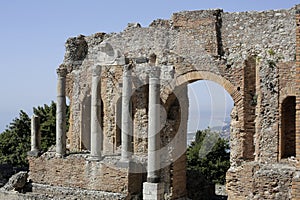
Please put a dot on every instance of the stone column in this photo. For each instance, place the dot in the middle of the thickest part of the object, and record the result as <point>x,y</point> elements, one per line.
<point>35,137</point>
<point>35,133</point>
<point>126,114</point>
<point>154,126</point>
<point>96,130</point>
<point>61,112</point>
<point>153,188</point>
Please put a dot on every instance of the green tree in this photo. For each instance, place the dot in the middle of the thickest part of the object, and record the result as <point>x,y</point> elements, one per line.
<point>209,154</point>
<point>15,140</point>
<point>47,116</point>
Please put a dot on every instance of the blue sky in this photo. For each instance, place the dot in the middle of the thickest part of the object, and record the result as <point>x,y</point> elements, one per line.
<point>33,34</point>
<point>210,105</point>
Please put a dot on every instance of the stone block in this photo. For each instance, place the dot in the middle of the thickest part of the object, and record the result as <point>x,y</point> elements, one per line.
<point>153,191</point>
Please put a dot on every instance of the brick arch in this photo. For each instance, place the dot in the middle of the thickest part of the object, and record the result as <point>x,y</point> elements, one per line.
<point>285,93</point>
<point>167,94</point>
<point>244,140</point>
<point>203,75</point>
<point>177,113</point>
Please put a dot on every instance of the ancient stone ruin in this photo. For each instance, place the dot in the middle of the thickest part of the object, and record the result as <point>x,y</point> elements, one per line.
<point>129,106</point>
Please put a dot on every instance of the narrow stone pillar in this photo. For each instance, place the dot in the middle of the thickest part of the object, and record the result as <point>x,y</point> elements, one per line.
<point>35,137</point>
<point>35,133</point>
<point>96,130</point>
<point>154,126</point>
<point>61,112</point>
<point>126,114</point>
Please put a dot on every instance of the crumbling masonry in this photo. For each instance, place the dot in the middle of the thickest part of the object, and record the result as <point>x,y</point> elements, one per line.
<point>129,105</point>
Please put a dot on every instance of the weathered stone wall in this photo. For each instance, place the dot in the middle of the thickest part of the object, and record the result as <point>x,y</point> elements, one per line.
<point>269,37</point>
<point>251,54</point>
<point>260,181</point>
<point>287,100</point>
<point>265,38</point>
<point>47,192</point>
<point>77,172</point>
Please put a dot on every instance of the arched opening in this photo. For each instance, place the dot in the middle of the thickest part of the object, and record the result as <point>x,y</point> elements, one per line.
<point>208,134</point>
<point>175,132</point>
<point>209,106</point>
<point>288,128</point>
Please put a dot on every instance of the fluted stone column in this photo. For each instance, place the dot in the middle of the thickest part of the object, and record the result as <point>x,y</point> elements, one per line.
<point>61,112</point>
<point>126,114</point>
<point>154,126</point>
<point>96,130</point>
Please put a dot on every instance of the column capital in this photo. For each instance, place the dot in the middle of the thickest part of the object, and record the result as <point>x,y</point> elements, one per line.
<point>152,59</point>
<point>96,70</point>
<point>62,71</point>
<point>127,69</point>
<point>154,72</point>
<point>35,116</point>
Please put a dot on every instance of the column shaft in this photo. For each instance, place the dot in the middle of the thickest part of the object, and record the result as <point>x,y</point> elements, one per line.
<point>35,134</point>
<point>154,126</point>
<point>96,130</point>
<point>61,112</point>
<point>126,114</point>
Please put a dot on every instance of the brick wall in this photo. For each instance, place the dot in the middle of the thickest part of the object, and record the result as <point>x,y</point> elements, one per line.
<point>257,181</point>
<point>204,23</point>
<point>76,171</point>
<point>179,177</point>
<point>296,181</point>
<point>287,73</point>
<point>250,102</point>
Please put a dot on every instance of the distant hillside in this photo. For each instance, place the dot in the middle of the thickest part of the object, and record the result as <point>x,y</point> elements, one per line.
<point>224,132</point>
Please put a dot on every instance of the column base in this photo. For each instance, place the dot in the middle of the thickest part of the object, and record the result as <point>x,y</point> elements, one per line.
<point>58,155</point>
<point>153,191</point>
<point>153,179</point>
<point>94,158</point>
<point>124,163</point>
<point>34,153</point>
